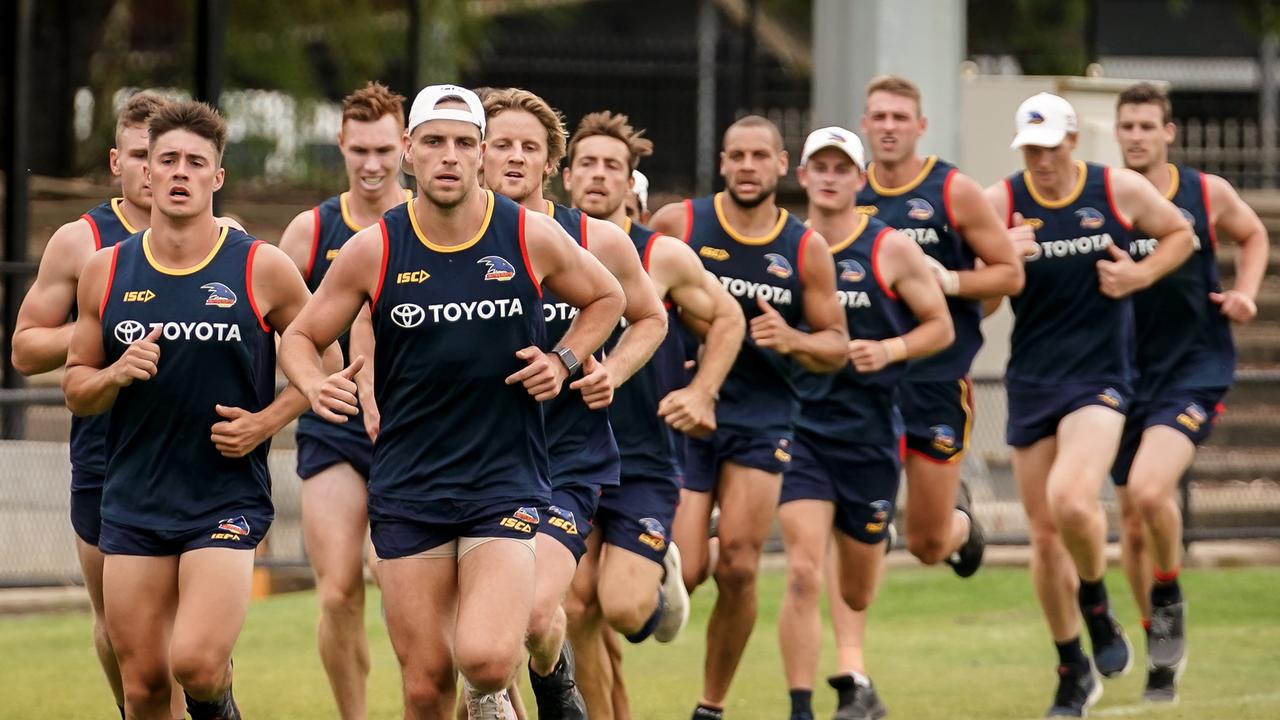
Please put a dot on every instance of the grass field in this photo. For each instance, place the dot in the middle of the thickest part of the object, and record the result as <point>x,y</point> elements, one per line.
<point>938,648</point>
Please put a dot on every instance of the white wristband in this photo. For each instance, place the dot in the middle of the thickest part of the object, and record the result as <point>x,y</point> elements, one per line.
<point>950,281</point>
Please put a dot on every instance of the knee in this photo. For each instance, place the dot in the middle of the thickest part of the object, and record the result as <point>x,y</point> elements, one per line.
<point>201,674</point>
<point>629,613</point>
<point>858,599</point>
<point>1148,501</point>
<point>1046,545</point>
<point>542,621</point>
<point>488,669</point>
<point>804,580</point>
<point>342,599</point>
<point>580,611</point>
<point>694,573</point>
<point>737,567</point>
<point>427,695</point>
<point>146,689</point>
<point>1071,512</point>
<point>928,547</point>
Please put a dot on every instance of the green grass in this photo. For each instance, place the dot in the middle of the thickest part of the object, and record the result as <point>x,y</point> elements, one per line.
<point>938,648</point>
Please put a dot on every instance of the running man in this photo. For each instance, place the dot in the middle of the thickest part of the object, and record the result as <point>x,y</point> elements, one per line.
<point>944,212</point>
<point>186,496</point>
<point>525,143</point>
<point>459,480</point>
<point>43,333</point>
<point>1186,363</point>
<point>846,459</point>
<point>782,276</point>
<point>334,459</point>
<point>1070,373</point>
<point>630,579</point>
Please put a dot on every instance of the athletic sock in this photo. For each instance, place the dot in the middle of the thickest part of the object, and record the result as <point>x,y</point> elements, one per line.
<point>121,708</point>
<point>1092,593</point>
<point>651,624</point>
<point>1166,590</point>
<point>801,703</point>
<point>212,710</point>
<point>1071,653</point>
<point>707,712</point>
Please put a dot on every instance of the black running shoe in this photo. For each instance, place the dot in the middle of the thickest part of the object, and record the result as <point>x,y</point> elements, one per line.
<point>1078,689</point>
<point>968,558</point>
<point>1167,640</point>
<point>224,708</point>
<point>1112,653</point>
<point>557,694</point>
<point>703,712</point>
<point>863,702</point>
<point>1162,685</point>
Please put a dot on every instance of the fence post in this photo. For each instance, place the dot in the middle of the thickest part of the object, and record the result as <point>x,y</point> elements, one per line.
<point>708,34</point>
<point>16,38</point>
<point>1269,105</point>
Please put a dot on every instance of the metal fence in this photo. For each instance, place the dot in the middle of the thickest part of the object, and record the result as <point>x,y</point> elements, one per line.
<point>1229,494</point>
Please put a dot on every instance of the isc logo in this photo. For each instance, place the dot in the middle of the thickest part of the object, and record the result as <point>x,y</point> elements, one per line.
<point>568,527</point>
<point>413,276</point>
<point>139,296</point>
<point>224,536</point>
<point>713,253</point>
<point>514,524</point>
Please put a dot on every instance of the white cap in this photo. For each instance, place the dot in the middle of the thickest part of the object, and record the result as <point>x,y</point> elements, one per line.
<point>843,140</point>
<point>424,106</point>
<point>1043,120</point>
<point>641,188</point>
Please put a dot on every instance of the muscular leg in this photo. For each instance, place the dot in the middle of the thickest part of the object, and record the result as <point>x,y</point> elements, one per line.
<point>492,620</point>
<point>556,567</point>
<point>748,500</point>
<point>586,632</point>
<point>849,625</point>
<point>1138,566</point>
<point>935,528</point>
<point>693,522</point>
<point>628,589</point>
<point>806,529</point>
<point>420,598</point>
<point>334,520</point>
<point>214,586</point>
<point>140,596</point>
<point>1052,573</point>
<point>1087,443</point>
<point>91,568</point>
<point>613,646</point>
<point>860,567</point>
<point>1163,458</point>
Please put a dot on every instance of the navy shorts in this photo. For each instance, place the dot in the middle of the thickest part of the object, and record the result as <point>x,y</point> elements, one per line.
<point>938,417</point>
<point>1035,410</point>
<point>320,451</point>
<point>1191,411</point>
<point>637,515</point>
<point>237,532</point>
<point>86,506</point>
<point>860,479</point>
<point>397,537</point>
<point>770,453</point>
<point>569,517</point>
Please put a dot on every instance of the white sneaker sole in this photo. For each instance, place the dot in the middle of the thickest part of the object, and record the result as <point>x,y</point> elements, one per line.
<point>676,615</point>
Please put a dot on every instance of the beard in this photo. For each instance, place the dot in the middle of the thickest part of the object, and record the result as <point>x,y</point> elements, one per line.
<point>766,193</point>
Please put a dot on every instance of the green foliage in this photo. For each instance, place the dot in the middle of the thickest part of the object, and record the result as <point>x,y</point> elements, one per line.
<point>938,648</point>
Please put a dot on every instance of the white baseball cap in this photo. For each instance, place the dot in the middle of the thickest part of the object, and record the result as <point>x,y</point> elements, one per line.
<point>845,141</point>
<point>1043,120</point>
<point>641,188</point>
<point>424,106</point>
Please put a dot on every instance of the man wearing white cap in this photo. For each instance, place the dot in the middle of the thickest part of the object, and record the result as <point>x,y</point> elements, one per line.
<point>944,212</point>
<point>637,202</point>
<point>459,472</point>
<point>846,459</point>
<point>1071,370</point>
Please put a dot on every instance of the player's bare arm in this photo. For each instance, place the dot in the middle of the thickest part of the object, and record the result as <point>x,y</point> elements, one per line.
<point>1138,201</point>
<point>42,333</point>
<point>823,348</point>
<point>671,220</point>
<point>351,281</point>
<point>90,385</point>
<point>677,273</point>
<point>579,279</point>
<point>905,269</point>
<point>298,240</point>
<point>646,318</point>
<point>361,344</point>
<point>1234,219</point>
<point>280,295</point>
<point>1000,272</point>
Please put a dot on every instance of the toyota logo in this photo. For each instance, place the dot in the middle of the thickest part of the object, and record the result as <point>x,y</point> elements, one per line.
<point>408,315</point>
<point>130,331</point>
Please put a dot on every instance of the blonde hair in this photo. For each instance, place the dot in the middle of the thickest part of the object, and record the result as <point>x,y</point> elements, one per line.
<point>137,110</point>
<point>614,125</point>
<point>895,85</point>
<point>499,100</point>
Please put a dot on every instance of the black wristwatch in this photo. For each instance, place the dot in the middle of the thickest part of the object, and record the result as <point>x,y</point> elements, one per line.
<point>569,359</point>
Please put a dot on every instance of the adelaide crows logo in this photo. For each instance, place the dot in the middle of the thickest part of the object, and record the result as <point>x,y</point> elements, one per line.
<point>851,271</point>
<point>1035,118</point>
<point>919,209</point>
<point>1090,219</point>
<point>235,525</point>
<point>499,268</point>
<point>219,295</point>
<point>778,266</point>
<point>944,439</point>
<point>879,517</point>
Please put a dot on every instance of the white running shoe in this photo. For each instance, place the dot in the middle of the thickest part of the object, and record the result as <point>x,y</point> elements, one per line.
<point>676,614</point>
<point>493,706</point>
